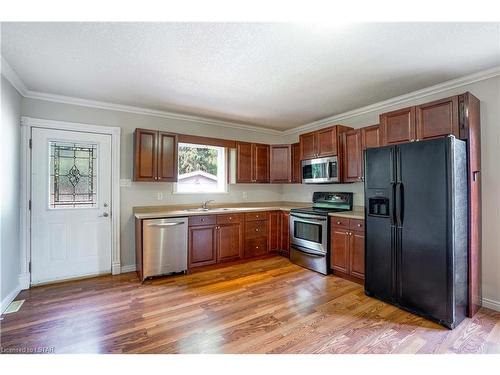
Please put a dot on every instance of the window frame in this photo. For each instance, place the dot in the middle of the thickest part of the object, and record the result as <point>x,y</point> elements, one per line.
<point>222,170</point>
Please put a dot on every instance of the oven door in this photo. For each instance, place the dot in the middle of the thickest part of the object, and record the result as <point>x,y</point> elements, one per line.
<point>320,171</point>
<point>309,232</point>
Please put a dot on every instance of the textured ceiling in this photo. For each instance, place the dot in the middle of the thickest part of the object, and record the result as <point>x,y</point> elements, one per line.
<point>272,75</point>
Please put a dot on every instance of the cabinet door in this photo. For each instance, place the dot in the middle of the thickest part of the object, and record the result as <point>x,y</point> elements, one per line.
<point>370,137</point>
<point>281,163</point>
<point>274,230</point>
<point>296,165</point>
<point>229,242</point>
<point>339,255</point>
<point>145,155</point>
<point>438,118</point>
<point>307,144</point>
<point>167,157</point>
<point>357,254</point>
<point>202,246</point>
<point>398,126</point>
<point>352,155</point>
<point>243,162</point>
<point>260,163</point>
<point>327,142</point>
<point>285,233</point>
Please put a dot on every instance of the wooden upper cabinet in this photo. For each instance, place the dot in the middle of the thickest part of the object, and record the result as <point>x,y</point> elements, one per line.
<point>438,118</point>
<point>155,156</point>
<point>244,159</point>
<point>260,165</point>
<point>167,156</point>
<point>252,162</point>
<point>281,163</point>
<point>398,126</point>
<point>370,137</point>
<point>327,142</point>
<point>296,164</point>
<point>308,145</point>
<point>321,143</point>
<point>145,155</point>
<point>352,155</point>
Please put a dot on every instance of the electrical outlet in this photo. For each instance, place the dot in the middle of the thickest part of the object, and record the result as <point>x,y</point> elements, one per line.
<point>160,196</point>
<point>245,195</point>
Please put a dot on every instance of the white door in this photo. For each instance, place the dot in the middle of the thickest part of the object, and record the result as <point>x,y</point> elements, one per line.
<point>71,196</point>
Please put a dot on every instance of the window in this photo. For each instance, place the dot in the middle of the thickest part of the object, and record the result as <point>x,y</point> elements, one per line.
<point>202,169</point>
<point>73,175</point>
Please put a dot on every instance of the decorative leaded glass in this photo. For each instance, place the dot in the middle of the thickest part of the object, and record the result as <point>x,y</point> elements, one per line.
<point>73,175</point>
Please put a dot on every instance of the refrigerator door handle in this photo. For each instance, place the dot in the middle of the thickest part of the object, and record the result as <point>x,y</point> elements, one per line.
<point>393,180</point>
<point>399,204</point>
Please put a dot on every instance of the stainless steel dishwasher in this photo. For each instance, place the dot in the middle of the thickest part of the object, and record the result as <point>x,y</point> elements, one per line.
<point>164,246</point>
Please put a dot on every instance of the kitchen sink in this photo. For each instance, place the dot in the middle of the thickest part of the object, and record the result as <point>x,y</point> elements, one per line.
<point>199,209</point>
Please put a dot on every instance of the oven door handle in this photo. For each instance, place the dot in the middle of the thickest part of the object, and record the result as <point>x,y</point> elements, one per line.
<point>304,250</point>
<point>308,217</point>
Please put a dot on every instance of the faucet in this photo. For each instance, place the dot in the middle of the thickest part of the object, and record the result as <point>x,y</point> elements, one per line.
<point>205,204</point>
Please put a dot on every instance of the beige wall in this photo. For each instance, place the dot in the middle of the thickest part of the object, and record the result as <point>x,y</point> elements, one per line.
<point>10,187</point>
<point>488,92</point>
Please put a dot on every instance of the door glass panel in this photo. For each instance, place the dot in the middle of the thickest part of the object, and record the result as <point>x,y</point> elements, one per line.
<point>307,231</point>
<point>72,175</point>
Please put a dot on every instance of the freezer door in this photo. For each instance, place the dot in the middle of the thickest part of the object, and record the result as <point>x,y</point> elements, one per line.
<point>422,218</point>
<point>379,223</point>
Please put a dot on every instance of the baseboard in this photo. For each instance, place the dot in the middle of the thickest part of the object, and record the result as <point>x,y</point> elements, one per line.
<point>24,281</point>
<point>491,304</point>
<point>9,298</point>
<point>116,269</point>
<point>129,268</point>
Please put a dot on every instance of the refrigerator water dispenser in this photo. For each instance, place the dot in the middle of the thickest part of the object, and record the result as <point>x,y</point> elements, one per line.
<point>378,206</point>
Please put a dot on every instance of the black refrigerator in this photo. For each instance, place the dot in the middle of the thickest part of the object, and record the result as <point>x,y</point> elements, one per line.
<point>416,227</point>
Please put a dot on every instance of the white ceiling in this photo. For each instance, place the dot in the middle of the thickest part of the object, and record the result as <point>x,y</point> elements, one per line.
<point>271,75</point>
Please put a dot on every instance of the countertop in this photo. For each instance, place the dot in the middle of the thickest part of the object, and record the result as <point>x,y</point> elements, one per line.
<point>153,212</point>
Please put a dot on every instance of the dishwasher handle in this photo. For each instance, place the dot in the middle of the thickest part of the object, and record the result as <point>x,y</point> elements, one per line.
<point>164,225</point>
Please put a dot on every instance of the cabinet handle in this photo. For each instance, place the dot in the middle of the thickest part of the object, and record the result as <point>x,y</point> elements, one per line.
<point>256,247</point>
<point>338,222</point>
<point>359,225</point>
<point>257,229</point>
<point>202,220</point>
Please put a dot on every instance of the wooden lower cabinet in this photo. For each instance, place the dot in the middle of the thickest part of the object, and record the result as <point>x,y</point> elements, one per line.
<point>347,255</point>
<point>202,246</point>
<point>279,232</point>
<point>214,243</point>
<point>229,242</point>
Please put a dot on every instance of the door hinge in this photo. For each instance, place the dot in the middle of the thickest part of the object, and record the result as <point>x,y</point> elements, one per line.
<point>29,205</point>
<point>31,143</point>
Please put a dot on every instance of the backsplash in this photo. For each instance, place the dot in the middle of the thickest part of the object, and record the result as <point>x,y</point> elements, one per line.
<point>304,192</point>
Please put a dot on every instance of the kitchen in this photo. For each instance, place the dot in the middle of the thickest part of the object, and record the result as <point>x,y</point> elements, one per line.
<point>219,236</point>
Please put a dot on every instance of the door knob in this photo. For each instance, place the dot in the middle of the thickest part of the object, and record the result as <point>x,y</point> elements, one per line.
<point>105,214</point>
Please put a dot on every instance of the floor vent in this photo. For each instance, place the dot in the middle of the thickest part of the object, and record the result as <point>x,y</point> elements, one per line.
<point>14,307</point>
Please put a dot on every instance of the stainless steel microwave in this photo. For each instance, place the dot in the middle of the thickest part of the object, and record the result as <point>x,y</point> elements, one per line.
<point>320,171</point>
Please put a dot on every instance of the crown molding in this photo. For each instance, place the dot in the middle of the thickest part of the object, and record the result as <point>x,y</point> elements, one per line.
<point>11,76</point>
<point>431,90</point>
<point>16,81</point>
<point>146,111</point>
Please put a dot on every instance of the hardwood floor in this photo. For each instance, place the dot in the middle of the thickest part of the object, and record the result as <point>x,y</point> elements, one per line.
<point>263,306</point>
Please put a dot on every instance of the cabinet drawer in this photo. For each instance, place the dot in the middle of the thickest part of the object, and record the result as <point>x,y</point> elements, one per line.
<point>252,216</point>
<point>255,246</point>
<point>254,229</point>
<point>357,224</point>
<point>228,218</point>
<point>340,222</point>
<point>201,220</point>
